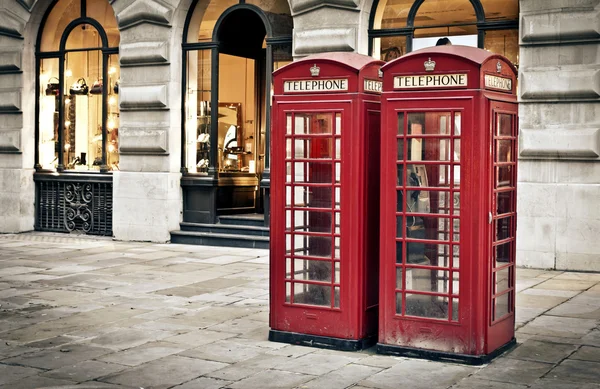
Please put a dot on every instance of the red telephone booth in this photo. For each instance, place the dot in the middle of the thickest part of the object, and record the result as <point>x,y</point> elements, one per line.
<point>324,242</point>
<point>448,205</point>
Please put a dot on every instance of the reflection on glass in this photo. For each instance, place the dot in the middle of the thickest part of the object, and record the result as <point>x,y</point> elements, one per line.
<point>312,294</point>
<point>429,123</point>
<point>503,228</point>
<point>504,174</point>
<point>313,221</point>
<point>198,111</point>
<point>309,270</point>
<point>427,280</point>
<point>400,175</point>
<point>454,309</point>
<point>315,246</point>
<point>504,153</point>
<point>504,124</point>
<point>504,202</point>
<point>420,149</point>
<point>314,123</point>
<point>502,305</point>
<point>399,252</point>
<point>401,124</point>
<point>398,303</point>
<point>399,278</point>
<point>456,256</point>
<point>503,253</point>
<point>389,48</point>
<point>435,307</point>
<point>401,149</point>
<point>313,172</point>
<point>313,148</point>
<point>502,280</point>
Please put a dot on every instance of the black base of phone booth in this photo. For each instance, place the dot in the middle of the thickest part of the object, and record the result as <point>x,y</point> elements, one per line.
<point>321,341</point>
<point>433,355</point>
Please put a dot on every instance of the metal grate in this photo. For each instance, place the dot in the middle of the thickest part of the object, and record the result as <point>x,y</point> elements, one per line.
<point>71,204</point>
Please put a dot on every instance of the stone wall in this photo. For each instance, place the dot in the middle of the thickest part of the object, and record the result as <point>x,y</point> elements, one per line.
<point>559,165</point>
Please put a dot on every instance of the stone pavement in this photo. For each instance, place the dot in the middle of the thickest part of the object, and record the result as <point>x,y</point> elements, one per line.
<point>82,312</point>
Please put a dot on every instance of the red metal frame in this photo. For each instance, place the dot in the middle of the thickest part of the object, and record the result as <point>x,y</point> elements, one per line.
<point>418,297</point>
<point>324,169</point>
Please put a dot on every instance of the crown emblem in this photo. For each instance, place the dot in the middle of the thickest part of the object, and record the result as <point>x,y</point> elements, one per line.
<point>498,67</point>
<point>314,70</point>
<point>380,73</point>
<point>429,65</point>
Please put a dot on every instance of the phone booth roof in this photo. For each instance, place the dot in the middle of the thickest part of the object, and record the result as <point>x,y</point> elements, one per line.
<point>331,66</point>
<point>419,70</point>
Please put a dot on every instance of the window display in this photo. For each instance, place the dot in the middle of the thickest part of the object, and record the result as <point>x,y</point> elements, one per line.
<point>78,116</point>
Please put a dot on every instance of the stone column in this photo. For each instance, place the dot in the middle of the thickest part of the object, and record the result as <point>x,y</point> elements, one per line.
<point>559,166</point>
<point>17,107</point>
<point>147,193</point>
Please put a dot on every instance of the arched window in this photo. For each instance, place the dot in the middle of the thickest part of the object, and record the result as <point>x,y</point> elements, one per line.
<point>78,77</point>
<point>401,26</point>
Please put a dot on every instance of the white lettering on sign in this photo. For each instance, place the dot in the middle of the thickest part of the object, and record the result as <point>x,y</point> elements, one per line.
<point>430,81</point>
<point>373,86</point>
<point>340,84</point>
<point>496,82</point>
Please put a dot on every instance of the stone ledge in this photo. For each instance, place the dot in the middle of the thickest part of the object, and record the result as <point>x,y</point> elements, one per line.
<point>560,27</point>
<point>11,24</point>
<point>144,97</point>
<point>560,143</point>
<point>145,11</point>
<point>10,140</point>
<point>566,82</point>
<point>143,140</point>
<point>10,61</point>
<point>10,101</point>
<point>144,53</point>
<point>322,40</point>
<point>301,6</point>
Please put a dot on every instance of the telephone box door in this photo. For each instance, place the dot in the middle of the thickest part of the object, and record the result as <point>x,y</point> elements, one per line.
<point>311,277</point>
<point>425,212</point>
<point>503,118</point>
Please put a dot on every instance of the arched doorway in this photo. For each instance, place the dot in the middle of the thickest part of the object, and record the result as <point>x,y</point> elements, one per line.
<point>229,55</point>
<point>77,117</point>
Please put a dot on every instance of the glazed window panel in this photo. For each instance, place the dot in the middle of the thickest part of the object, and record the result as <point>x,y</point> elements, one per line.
<point>389,48</point>
<point>444,12</point>
<point>48,114</point>
<point>63,13</point>
<point>198,111</point>
<point>83,37</point>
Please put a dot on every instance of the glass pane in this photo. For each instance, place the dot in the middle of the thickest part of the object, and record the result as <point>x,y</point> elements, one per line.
<point>337,273</point>
<point>503,228</point>
<point>313,148</point>
<point>400,174</point>
<point>399,200</point>
<point>504,125</point>
<point>336,297</point>
<point>392,14</point>
<point>504,42</point>
<point>502,280</point>
<point>308,270</point>
<point>112,123</point>
<point>315,123</point>
<point>501,10</point>
<point>313,172</point>
<point>398,278</point>
<point>288,244</point>
<point>456,197</point>
<point>465,35</point>
<point>401,149</point>
<point>197,107</point>
<point>435,307</point>
<point>338,124</point>
<point>454,309</point>
<point>337,250</point>
<point>428,254</point>
<point>399,252</point>
<point>398,303</point>
<point>338,148</point>
<point>429,123</point>
<point>288,292</point>
<point>314,197</point>
<point>48,115</point>
<point>456,229</point>
<point>83,37</point>
<point>503,254</point>
<point>288,268</point>
<point>427,280</point>
<point>504,151</point>
<point>312,294</point>
<point>337,197</point>
<point>502,305</point>
<point>456,154</point>
<point>399,227</point>
<point>83,104</point>
<point>389,48</point>
<point>420,149</point>
<point>428,227</point>
<point>314,246</point>
<point>102,12</point>
<point>206,17</point>
<point>313,221</point>
<point>504,202</point>
<point>504,176</point>
<point>401,131</point>
<point>63,13</point>
<point>444,12</point>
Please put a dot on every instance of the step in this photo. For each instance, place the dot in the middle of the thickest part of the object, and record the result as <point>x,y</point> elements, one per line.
<point>225,229</point>
<point>222,240</point>
<point>251,219</point>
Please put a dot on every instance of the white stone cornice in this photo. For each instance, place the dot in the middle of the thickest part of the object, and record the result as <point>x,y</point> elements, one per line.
<point>145,11</point>
<point>301,6</point>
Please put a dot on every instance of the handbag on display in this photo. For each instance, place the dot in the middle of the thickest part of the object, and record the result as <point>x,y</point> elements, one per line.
<point>79,88</point>
<point>116,87</point>
<point>52,88</point>
<point>96,87</point>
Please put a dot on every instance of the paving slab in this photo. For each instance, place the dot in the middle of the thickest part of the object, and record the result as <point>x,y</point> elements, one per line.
<point>587,353</point>
<point>164,373</point>
<point>514,371</point>
<point>419,374</point>
<point>84,371</point>
<point>342,377</point>
<point>577,371</point>
<point>542,351</point>
<point>204,383</point>
<point>559,326</point>
<point>38,382</point>
<point>10,373</point>
<point>55,358</point>
<point>147,352</point>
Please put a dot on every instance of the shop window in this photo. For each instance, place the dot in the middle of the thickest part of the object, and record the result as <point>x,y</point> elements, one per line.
<point>400,26</point>
<point>78,115</point>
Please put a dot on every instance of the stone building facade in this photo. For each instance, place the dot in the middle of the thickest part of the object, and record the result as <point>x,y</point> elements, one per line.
<point>559,91</point>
